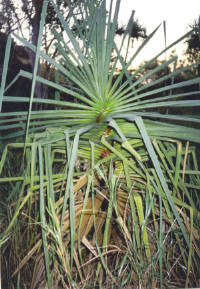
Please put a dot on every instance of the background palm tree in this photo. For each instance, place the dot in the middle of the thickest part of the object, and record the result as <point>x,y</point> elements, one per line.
<point>193,43</point>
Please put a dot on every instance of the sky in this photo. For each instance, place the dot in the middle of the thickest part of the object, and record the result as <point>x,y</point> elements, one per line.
<point>178,14</point>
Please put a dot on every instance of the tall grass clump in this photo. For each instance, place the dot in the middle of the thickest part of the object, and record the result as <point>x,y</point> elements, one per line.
<point>102,191</point>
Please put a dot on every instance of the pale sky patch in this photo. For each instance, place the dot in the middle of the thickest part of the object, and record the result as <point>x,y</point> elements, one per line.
<point>178,14</point>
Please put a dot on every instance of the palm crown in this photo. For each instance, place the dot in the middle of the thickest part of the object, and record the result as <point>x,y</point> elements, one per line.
<point>114,124</point>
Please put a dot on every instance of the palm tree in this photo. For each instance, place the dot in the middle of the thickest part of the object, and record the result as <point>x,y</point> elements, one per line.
<point>136,30</point>
<point>193,43</point>
<point>107,173</point>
